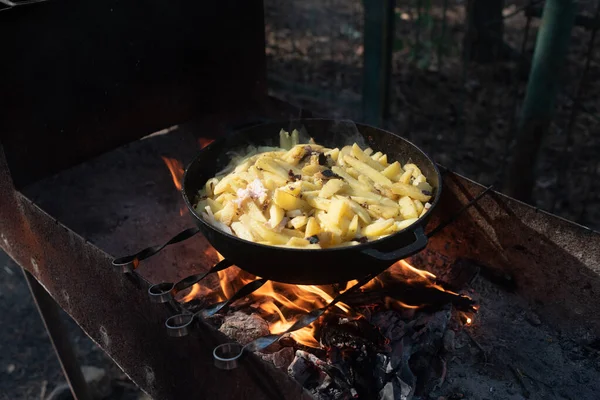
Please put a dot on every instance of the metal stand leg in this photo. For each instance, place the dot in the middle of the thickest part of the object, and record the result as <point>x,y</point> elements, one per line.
<point>58,336</point>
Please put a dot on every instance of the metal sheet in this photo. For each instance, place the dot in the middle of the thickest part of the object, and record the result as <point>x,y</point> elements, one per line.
<point>553,262</point>
<point>113,309</point>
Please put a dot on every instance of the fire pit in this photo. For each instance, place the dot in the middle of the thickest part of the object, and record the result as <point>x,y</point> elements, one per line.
<point>496,247</point>
<point>414,332</point>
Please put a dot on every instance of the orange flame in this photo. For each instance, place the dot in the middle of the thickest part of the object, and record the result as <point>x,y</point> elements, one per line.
<point>176,170</point>
<point>203,142</point>
<point>281,304</point>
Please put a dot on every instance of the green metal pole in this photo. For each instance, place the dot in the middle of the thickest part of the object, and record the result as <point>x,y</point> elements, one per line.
<point>538,107</point>
<point>378,44</point>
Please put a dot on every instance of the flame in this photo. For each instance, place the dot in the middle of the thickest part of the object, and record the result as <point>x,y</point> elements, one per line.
<point>203,142</point>
<point>192,294</point>
<point>176,170</point>
<point>282,304</point>
<point>305,336</point>
<point>397,304</point>
<point>196,291</point>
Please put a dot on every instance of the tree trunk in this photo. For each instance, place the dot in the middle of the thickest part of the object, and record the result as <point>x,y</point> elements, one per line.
<point>538,107</point>
<point>485,30</point>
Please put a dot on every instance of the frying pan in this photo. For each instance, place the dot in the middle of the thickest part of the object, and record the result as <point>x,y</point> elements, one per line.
<point>311,266</point>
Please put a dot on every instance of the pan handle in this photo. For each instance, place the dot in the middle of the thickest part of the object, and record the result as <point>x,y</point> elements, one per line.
<point>393,256</point>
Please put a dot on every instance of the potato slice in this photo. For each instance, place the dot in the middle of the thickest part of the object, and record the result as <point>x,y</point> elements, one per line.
<point>298,242</point>
<point>209,186</point>
<point>415,170</point>
<point>337,209</point>
<point>407,208</point>
<point>366,180</point>
<point>299,221</point>
<point>292,233</point>
<point>400,225</point>
<point>268,234</point>
<point>424,186</point>
<point>312,227</point>
<point>214,206</point>
<point>333,153</point>
<point>276,214</point>
<point>269,165</point>
<point>288,167</point>
<point>419,179</point>
<point>362,157</point>
<point>368,151</point>
<point>372,198</point>
<point>383,160</point>
<point>294,213</point>
<point>331,187</point>
<point>224,185</point>
<point>377,228</point>
<point>392,170</point>
<point>311,169</point>
<point>294,155</point>
<point>227,213</point>
<point>360,211</point>
<point>309,186</point>
<point>376,156</point>
<point>254,212</point>
<point>406,176</point>
<point>349,179</point>
<point>293,188</point>
<point>242,231</point>
<point>352,172</point>
<point>352,228</point>
<point>367,170</point>
<point>288,201</point>
<point>404,189</point>
<point>419,206</point>
<point>225,198</point>
<point>318,202</point>
<point>385,212</point>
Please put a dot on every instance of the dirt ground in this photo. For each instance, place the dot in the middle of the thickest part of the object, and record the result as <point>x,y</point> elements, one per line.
<point>29,368</point>
<point>460,113</point>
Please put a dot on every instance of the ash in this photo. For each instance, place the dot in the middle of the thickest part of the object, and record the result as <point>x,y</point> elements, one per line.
<point>380,355</point>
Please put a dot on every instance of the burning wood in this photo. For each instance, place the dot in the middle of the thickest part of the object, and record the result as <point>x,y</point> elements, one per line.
<point>385,342</point>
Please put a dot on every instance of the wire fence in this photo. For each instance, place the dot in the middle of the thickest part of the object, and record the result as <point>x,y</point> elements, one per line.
<point>462,112</point>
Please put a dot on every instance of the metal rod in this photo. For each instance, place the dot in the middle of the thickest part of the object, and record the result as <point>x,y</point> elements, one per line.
<point>49,311</point>
<point>378,41</point>
<point>453,218</point>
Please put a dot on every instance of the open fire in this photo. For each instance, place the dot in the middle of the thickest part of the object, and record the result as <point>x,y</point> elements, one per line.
<point>354,337</point>
<point>280,304</point>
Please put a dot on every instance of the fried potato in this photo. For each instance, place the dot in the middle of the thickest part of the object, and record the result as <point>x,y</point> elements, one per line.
<point>306,196</point>
<point>404,189</point>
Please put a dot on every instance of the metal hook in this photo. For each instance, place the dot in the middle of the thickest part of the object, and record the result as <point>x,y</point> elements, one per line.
<point>166,291</point>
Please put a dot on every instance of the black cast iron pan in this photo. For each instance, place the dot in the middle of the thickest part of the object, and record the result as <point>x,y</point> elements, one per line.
<point>316,266</point>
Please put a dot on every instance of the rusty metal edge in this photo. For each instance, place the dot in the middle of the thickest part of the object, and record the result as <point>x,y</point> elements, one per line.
<point>113,310</point>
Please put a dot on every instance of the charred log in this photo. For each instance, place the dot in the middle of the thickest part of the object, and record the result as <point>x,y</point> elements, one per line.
<point>413,294</point>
